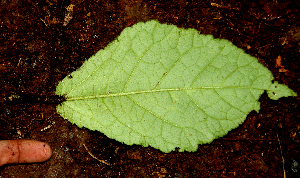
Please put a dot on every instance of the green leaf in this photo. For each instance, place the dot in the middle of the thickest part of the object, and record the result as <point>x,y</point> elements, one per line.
<point>166,87</point>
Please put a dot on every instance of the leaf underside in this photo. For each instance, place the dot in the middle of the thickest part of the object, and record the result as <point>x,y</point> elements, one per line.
<point>166,87</point>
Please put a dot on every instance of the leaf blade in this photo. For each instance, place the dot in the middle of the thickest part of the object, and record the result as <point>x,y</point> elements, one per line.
<point>166,87</point>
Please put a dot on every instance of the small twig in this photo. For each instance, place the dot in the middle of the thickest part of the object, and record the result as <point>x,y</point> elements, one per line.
<point>284,174</point>
<point>102,161</point>
<point>245,139</point>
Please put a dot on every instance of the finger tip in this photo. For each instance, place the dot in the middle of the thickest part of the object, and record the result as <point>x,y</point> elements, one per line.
<point>24,151</point>
<point>47,151</point>
<point>32,151</point>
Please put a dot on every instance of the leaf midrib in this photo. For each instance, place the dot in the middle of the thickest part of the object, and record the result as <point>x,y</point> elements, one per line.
<point>154,91</point>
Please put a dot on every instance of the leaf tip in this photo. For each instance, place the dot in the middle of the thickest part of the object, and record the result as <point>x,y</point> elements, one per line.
<point>279,90</point>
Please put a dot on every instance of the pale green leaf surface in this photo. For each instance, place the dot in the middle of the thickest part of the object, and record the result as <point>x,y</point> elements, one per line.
<point>166,87</point>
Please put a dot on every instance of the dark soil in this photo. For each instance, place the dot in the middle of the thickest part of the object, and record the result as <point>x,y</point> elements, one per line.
<point>41,42</point>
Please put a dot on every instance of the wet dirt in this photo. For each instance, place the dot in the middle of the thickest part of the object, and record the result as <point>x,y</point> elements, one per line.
<point>42,42</point>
